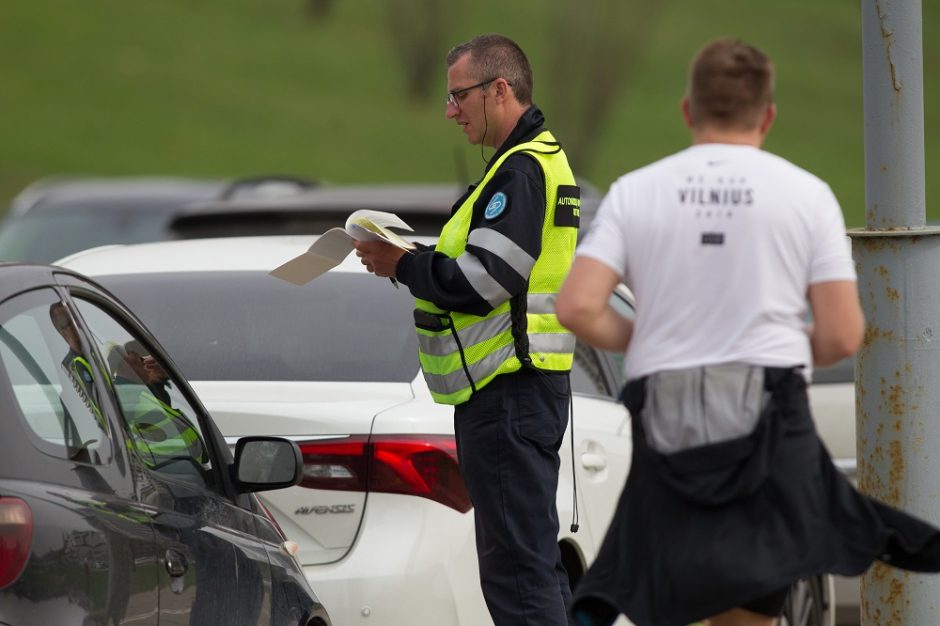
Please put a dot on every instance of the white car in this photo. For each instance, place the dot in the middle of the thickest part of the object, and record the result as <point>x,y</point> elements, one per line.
<point>382,519</point>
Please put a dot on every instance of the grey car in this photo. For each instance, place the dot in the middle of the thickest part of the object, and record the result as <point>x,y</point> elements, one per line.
<point>56,217</point>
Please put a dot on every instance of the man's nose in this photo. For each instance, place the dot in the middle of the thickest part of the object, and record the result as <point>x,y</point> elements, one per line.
<point>450,110</point>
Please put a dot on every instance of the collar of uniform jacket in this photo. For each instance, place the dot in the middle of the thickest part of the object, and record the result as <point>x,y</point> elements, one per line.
<point>528,127</point>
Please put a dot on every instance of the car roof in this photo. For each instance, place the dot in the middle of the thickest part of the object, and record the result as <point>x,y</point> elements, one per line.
<point>419,197</point>
<point>61,193</point>
<point>16,277</point>
<point>201,255</point>
<point>425,206</point>
<point>432,198</point>
<point>255,205</point>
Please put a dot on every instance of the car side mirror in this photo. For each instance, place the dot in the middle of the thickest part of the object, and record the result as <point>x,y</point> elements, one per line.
<point>266,463</point>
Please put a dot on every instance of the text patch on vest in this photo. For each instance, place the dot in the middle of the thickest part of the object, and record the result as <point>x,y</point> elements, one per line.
<point>568,206</point>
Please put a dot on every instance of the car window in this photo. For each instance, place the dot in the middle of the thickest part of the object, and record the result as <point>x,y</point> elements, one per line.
<point>621,300</point>
<point>588,374</point>
<point>162,426</point>
<point>45,237</point>
<point>55,381</point>
<point>340,327</point>
<point>250,326</point>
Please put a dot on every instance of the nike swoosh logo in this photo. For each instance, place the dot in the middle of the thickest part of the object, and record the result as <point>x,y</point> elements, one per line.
<point>714,163</point>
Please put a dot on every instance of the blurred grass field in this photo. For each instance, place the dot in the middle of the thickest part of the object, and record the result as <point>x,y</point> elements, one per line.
<point>239,87</point>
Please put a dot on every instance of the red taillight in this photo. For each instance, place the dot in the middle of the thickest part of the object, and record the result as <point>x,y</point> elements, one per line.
<point>16,535</point>
<point>338,464</point>
<point>417,465</point>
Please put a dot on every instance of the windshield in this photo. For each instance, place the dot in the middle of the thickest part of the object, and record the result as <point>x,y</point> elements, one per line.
<point>46,237</point>
<point>250,326</point>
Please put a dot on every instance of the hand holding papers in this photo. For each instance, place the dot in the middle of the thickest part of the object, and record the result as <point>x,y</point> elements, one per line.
<point>366,225</point>
<point>335,245</point>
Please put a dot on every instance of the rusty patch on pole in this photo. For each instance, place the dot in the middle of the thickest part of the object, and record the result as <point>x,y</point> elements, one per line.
<point>896,452</point>
<point>887,34</point>
<point>873,332</point>
<point>896,406</point>
<point>888,610</point>
<point>882,464</point>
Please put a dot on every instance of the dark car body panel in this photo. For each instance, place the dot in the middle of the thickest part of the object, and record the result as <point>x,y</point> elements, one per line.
<point>114,540</point>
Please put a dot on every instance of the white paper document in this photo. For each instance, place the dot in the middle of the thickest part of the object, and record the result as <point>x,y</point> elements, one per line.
<point>335,245</point>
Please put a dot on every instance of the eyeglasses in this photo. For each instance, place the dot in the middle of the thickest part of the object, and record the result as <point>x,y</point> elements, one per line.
<point>452,97</point>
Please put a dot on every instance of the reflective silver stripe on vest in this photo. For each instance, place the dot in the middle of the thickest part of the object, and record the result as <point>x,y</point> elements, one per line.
<point>455,381</point>
<point>443,345</point>
<point>486,328</point>
<point>548,343</point>
<point>541,303</point>
<point>481,281</point>
<point>503,247</point>
<point>543,343</point>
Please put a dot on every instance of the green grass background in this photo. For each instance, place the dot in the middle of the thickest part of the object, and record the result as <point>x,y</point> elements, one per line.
<point>239,87</point>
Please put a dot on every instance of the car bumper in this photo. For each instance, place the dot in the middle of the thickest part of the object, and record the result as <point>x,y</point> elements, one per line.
<point>413,564</point>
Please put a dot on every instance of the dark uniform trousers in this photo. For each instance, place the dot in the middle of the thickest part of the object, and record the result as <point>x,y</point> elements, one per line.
<point>508,437</point>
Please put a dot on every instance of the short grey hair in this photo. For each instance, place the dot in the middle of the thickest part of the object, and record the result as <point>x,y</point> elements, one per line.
<point>495,56</point>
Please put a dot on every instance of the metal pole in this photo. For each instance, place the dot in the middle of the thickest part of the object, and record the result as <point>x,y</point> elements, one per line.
<point>897,395</point>
<point>893,90</point>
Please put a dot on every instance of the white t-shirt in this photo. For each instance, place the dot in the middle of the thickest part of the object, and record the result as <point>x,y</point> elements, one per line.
<point>719,244</point>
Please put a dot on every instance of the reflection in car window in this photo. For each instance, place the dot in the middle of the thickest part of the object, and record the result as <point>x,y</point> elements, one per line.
<point>587,373</point>
<point>162,426</point>
<point>54,379</point>
<point>622,302</point>
<point>250,326</point>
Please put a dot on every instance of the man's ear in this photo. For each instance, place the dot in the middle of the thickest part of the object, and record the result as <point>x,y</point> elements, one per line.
<point>770,114</point>
<point>686,111</point>
<point>503,90</point>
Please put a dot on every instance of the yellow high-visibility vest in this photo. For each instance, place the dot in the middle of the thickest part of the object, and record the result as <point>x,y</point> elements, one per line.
<point>460,353</point>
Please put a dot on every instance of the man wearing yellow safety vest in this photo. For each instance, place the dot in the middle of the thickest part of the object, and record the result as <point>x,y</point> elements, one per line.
<point>489,341</point>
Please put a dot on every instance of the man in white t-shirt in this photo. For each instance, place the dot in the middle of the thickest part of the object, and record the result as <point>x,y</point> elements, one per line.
<point>723,246</point>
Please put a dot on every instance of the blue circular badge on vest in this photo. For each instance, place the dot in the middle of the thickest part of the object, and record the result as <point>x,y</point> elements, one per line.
<point>497,205</point>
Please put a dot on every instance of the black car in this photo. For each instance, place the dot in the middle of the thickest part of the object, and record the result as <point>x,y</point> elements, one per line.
<point>241,211</point>
<point>120,502</point>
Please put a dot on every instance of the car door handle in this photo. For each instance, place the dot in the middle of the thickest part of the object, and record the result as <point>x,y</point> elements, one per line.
<point>176,564</point>
<point>593,462</point>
